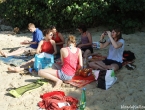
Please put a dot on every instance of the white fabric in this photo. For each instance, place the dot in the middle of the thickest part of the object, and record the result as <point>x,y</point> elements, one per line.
<point>116,54</point>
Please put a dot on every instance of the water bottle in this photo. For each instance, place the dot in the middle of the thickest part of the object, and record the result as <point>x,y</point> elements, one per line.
<point>39,65</point>
<point>98,45</point>
<point>85,63</point>
<point>82,103</point>
<point>30,69</point>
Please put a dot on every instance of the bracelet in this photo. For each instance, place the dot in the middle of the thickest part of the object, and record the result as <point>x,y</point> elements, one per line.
<point>102,41</point>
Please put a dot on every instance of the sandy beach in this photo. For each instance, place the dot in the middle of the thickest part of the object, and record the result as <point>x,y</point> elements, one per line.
<point>128,91</point>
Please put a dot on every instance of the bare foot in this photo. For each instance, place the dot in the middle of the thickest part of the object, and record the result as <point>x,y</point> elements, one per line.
<point>3,53</point>
<point>58,84</point>
<point>14,69</point>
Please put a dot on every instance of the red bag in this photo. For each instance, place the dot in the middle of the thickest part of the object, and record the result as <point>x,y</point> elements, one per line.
<point>84,72</point>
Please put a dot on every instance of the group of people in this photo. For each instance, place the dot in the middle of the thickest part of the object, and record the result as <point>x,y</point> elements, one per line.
<point>51,41</point>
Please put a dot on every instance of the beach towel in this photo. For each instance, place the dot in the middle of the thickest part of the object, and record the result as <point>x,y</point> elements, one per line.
<point>15,60</point>
<point>57,100</point>
<point>18,92</point>
<point>80,81</point>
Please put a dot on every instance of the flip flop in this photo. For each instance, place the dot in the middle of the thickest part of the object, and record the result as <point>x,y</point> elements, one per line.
<point>130,66</point>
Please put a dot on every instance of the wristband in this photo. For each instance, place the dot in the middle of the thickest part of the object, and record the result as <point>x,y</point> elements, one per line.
<point>102,41</point>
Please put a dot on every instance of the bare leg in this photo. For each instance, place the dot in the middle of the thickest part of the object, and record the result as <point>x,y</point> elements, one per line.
<point>115,67</point>
<point>102,66</point>
<point>22,67</point>
<point>86,53</point>
<point>98,65</point>
<point>52,75</point>
<point>17,52</point>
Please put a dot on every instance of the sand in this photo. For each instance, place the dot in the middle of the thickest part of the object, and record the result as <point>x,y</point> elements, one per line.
<point>128,91</point>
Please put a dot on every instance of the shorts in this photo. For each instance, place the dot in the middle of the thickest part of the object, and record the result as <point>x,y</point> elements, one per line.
<point>29,50</point>
<point>109,62</point>
<point>61,75</point>
<point>89,48</point>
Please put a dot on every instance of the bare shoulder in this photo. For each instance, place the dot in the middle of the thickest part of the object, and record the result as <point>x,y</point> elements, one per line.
<point>41,42</point>
<point>88,33</point>
<point>79,50</point>
<point>52,41</point>
<point>63,49</point>
<point>59,34</point>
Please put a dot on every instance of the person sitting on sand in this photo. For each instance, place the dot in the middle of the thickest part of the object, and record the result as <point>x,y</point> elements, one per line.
<point>71,58</point>
<point>47,45</point>
<point>86,41</point>
<point>58,38</point>
<point>37,37</point>
<point>116,48</point>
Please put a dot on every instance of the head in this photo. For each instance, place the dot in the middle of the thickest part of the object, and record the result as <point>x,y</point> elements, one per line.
<point>116,33</point>
<point>48,33</point>
<point>82,28</point>
<point>71,40</point>
<point>53,28</point>
<point>31,27</point>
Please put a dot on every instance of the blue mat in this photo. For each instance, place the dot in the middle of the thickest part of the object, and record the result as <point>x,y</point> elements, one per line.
<point>15,60</point>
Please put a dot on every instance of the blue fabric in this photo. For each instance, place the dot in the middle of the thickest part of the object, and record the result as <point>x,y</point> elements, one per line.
<point>15,60</point>
<point>43,60</point>
<point>37,37</point>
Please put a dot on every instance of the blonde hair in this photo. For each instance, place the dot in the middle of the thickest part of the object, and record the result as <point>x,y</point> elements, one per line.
<point>31,25</point>
<point>71,39</point>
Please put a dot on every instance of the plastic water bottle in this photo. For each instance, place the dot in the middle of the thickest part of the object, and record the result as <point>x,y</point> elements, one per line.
<point>98,45</point>
<point>82,104</point>
<point>85,63</point>
<point>30,69</point>
<point>39,65</point>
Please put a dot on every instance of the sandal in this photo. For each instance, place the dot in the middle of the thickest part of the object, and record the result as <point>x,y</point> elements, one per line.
<point>130,66</point>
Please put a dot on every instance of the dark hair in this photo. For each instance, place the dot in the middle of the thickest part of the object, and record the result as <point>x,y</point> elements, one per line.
<point>118,30</point>
<point>82,27</point>
<point>52,27</point>
<point>46,31</point>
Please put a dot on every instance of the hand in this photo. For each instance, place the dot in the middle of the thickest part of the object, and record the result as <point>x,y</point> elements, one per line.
<point>25,42</point>
<point>102,36</point>
<point>108,33</point>
<point>80,45</point>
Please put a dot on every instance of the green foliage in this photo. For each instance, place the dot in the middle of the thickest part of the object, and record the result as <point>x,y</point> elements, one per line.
<point>67,14</point>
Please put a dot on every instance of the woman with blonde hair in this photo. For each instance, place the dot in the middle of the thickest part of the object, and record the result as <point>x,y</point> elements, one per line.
<point>71,58</point>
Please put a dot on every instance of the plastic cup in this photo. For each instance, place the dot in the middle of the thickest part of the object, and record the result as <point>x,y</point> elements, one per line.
<point>30,70</point>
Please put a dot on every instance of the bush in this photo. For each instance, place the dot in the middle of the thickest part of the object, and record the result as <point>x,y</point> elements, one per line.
<point>67,14</point>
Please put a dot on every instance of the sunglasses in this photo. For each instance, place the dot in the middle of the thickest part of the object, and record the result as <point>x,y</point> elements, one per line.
<point>50,34</point>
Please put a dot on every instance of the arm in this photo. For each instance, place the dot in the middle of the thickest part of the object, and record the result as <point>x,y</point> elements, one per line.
<point>37,38</point>
<point>62,38</point>
<point>39,47</point>
<point>62,55</point>
<point>54,46</point>
<point>80,60</point>
<point>103,45</point>
<point>114,43</point>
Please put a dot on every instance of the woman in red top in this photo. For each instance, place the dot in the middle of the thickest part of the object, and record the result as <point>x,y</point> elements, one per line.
<point>58,38</point>
<point>71,57</point>
<point>47,45</point>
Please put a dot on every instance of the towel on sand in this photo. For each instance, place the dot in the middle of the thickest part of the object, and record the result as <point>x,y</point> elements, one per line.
<point>15,60</point>
<point>80,81</point>
<point>18,92</point>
